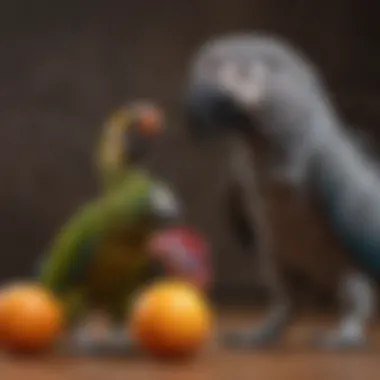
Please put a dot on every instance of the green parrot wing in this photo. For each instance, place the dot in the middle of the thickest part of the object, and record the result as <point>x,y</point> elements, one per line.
<point>72,251</point>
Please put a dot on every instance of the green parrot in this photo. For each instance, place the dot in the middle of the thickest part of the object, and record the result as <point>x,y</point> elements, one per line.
<point>101,257</point>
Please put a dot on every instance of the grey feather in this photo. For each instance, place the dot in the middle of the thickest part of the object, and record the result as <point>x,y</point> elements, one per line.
<point>271,82</point>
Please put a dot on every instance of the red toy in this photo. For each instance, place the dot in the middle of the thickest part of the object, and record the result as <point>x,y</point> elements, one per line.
<point>187,253</point>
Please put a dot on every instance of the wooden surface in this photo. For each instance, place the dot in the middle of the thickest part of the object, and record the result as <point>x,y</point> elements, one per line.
<point>292,360</point>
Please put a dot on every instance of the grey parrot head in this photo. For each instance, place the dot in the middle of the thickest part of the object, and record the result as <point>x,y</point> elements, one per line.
<point>250,83</point>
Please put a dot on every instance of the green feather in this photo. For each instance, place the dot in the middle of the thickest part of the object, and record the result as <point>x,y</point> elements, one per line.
<point>72,252</point>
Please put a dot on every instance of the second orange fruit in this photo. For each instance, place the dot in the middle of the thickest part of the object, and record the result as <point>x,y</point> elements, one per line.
<point>171,318</point>
<point>30,318</point>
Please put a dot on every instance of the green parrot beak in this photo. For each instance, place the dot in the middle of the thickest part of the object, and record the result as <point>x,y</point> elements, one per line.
<point>146,126</point>
<point>136,146</point>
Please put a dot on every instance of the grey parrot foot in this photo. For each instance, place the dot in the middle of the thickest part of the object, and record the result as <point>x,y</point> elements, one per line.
<point>267,333</point>
<point>340,340</point>
<point>84,343</point>
<point>251,339</point>
<point>118,342</point>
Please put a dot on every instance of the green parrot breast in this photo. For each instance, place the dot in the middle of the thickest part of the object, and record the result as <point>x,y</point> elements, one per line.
<point>120,260</point>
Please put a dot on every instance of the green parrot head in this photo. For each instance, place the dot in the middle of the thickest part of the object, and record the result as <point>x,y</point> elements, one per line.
<point>126,138</point>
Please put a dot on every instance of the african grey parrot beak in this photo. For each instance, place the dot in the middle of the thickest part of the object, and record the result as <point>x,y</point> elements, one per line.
<point>210,111</point>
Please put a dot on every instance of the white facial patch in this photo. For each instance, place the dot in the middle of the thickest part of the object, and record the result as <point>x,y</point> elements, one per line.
<point>164,202</point>
<point>247,89</point>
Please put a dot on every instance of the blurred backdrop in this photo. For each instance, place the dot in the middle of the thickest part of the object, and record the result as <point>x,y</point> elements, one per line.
<point>66,64</point>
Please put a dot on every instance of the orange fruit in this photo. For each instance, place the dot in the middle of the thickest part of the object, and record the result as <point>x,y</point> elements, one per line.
<point>30,318</point>
<point>171,318</point>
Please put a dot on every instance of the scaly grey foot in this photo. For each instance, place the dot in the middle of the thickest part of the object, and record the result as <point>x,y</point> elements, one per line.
<point>358,297</point>
<point>117,342</point>
<point>341,339</point>
<point>267,333</point>
<point>251,339</point>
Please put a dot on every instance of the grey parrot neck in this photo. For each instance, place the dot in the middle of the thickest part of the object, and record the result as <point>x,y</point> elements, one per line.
<point>345,180</point>
<point>320,153</point>
<point>300,139</point>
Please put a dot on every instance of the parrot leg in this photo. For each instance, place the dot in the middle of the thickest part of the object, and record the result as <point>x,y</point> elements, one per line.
<point>81,337</point>
<point>120,341</point>
<point>358,297</point>
<point>272,326</point>
<point>83,340</point>
<point>117,340</point>
<point>266,333</point>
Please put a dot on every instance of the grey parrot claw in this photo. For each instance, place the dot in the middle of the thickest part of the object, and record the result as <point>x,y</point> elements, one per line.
<point>249,339</point>
<point>337,341</point>
<point>118,343</point>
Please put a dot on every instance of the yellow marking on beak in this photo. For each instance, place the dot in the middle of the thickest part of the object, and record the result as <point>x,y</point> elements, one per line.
<point>121,119</point>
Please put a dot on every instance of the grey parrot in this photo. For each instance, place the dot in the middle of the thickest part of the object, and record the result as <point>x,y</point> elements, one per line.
<point>271,101</point>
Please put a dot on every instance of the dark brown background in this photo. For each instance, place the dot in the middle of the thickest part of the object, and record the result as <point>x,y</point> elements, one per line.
<point>65,65</point>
